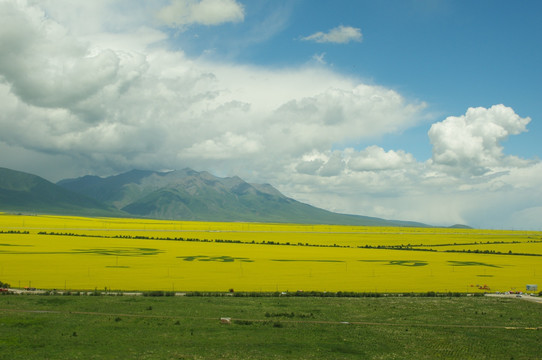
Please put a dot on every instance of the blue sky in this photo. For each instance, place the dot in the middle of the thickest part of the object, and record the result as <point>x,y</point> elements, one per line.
<point>424,110</point>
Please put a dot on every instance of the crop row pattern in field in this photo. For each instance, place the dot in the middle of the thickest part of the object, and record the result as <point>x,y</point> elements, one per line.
<point>54,252</point>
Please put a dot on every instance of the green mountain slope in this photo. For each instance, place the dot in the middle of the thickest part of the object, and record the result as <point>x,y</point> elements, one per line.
<point>190,195</point>
<point>24,192</point>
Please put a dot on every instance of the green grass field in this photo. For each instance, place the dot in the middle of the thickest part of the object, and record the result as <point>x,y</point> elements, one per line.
<point>136,327</point>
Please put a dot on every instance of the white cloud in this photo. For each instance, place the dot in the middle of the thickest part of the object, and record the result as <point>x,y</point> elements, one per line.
<point>393,185</point>
<point>319,58</point>
<point>309,167</point>
<point>181,13</point>
<point>226,146</point>
<point>485,188</point>
<point>339,35</point>
<point>333,166</point>
<point>375,158</point>
<point>349,161</point>
<point>46,66</point>
<point>336,115</point>
<point>94,96</point>
<point>471,143</point>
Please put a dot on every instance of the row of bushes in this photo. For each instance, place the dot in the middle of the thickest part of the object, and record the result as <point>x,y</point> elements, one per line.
<point>340,294</point>
<point>159,293</point>
<point>477,251</point>
<point>419,247</point>
<point>331,294</point>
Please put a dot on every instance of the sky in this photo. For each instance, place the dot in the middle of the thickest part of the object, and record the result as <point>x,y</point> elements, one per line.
<point>421,110</point>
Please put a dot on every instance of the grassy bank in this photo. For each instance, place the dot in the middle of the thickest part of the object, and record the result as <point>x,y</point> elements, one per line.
<point>135,327</point>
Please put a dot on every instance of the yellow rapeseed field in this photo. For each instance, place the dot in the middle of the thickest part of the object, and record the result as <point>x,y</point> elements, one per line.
<point>75,253</point>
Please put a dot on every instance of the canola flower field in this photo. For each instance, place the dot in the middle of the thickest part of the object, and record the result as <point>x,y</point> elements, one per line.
<point>75,253</point>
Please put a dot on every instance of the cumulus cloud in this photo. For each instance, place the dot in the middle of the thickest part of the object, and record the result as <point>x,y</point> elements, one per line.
<point>151,105</point>
<point>43,64</point>
<point>471,143</point>
<point>339,35</point>
<point>333,166</point>
<point>181,13</point>
<point>481,186</point>
<point>338,114</point>
<point>393,185</point>
<point>226,146</point>
<point>375,158</point>
<point>349,161</point>
<point>309,167</point>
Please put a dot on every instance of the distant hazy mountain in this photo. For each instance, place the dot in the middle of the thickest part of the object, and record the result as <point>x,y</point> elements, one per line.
<point>190,195</point>
<point>20,191</point>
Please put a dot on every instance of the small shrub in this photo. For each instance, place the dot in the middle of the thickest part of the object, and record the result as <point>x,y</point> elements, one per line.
<point>283,314</point>
<point>159,293</point>
<point>243,322</point>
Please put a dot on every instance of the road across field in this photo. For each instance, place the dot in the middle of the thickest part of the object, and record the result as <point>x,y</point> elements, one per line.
<point>536,299</point>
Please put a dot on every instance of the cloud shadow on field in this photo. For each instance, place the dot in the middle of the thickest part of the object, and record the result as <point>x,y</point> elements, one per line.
<point>98,251</point>
<point>16,245</point>
<point>411,263</point>
<point>472,263</point>
<point>295,260</point>
<point>224,258</point>
<point>118,266</point>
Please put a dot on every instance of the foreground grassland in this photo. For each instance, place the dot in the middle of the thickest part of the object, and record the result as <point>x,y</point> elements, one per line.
<point>135,327</point>
<point>72,253</point>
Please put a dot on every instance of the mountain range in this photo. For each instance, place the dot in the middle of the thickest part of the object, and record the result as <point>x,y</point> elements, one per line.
<point>177,195</point>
